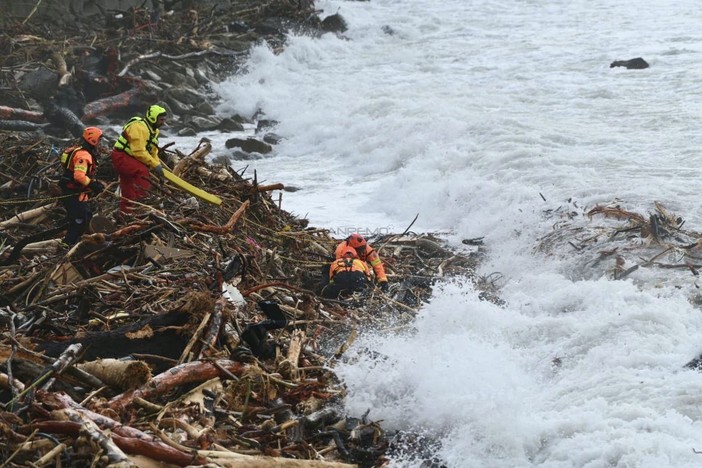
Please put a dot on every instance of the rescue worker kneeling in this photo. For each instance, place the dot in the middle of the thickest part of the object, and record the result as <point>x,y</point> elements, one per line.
<point>347,275</point>
<point>366,254</point>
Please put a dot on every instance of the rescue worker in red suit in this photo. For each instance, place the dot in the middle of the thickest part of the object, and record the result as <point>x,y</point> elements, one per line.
<point>347,274</point>
<point>78,182</point>
<point>136,153</point>
<point>367,254</point>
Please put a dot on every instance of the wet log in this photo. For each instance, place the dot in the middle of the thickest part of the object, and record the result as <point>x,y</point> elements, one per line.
<point>20,126</point>
<point>64,118</point>
<point>11,113</point>
<point>135,97</point>
<point>111,454</point>
<point>188,373</point>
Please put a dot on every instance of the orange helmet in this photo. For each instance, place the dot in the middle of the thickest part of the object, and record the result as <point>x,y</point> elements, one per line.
<point>356,241</point>
<point>92,135</point>
<point>349,251</point>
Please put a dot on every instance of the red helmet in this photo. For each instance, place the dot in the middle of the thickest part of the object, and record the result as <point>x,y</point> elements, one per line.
<point>349,251</point>
<point>356,241</point>
<point>92,135</point>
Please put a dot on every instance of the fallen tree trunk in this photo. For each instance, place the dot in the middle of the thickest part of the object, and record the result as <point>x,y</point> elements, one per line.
<point>20,126</point>
<point>64,118</point>
<point>135,97</point>
<point>191,372</point>
<point>12,113</point>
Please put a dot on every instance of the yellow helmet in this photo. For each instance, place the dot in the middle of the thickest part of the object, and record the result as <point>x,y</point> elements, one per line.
<point>154,112</point>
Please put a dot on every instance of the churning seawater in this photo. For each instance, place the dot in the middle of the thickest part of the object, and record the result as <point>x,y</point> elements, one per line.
<point>481,115</point>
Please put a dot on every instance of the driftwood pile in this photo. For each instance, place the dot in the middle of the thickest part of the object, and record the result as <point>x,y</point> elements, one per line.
<point>188,334</point>
<point>612,241</point>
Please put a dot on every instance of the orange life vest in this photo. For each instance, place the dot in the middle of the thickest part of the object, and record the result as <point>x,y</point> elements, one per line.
<point>367,255</point>
<point>348,264</point>
<point>71,181</point>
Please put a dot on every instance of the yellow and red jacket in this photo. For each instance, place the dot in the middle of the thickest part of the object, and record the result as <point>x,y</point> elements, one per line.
<point>368,255</point>
<point>79,170</point>
<point>139,140</point>
<point>348,264</point>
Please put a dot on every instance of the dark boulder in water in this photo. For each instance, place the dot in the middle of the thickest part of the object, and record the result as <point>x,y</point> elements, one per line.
<point>633,64</point>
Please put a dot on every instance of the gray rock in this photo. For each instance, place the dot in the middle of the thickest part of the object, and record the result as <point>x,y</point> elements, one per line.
<point>265,123</point>
<point>637,63</point>
<point>203,123</point>
<point>187,132</point>
<point>187,80</point>
<point>177,106</point>
<point>272,138</point>
<point>186,95</point>
<point>201,77</point>
<point>250,145</point>
<point>205,108</point>
<point>244,156</point>
<point>230,125</point>
<point>334,23</point>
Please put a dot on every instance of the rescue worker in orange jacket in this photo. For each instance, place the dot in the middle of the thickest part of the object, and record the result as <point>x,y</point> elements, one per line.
<point>347,274</point>
<point>136,153</point>
<point>78,182</point>
<point>367,254</point>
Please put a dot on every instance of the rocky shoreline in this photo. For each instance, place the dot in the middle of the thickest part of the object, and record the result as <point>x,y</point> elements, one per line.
<point>102,68</point>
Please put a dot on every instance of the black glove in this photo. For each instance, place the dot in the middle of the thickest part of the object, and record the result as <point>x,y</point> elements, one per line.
<point>383,286</point>
<point>158,170</point>
<point>96,187</point>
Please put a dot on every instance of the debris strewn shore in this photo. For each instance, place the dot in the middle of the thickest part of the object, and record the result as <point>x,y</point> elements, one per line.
<point>129,348</point>
<point>172,290</point>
